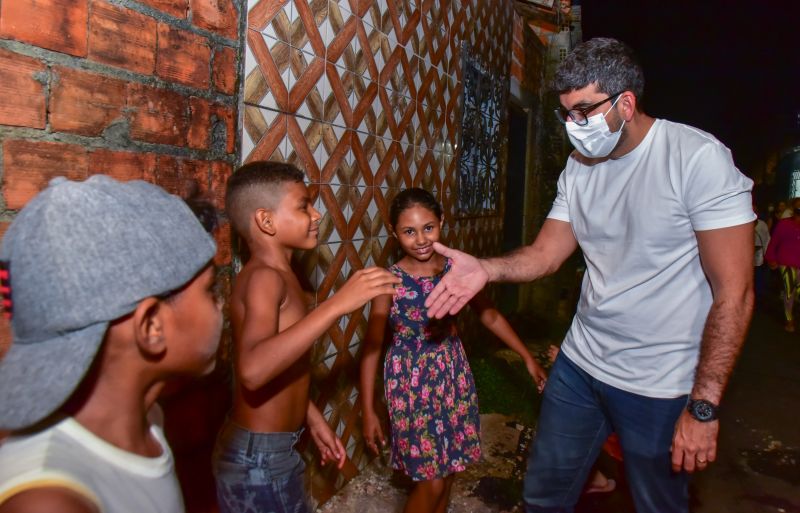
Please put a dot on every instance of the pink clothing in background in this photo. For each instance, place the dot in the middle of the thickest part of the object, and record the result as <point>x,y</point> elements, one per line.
<point>784,246</point>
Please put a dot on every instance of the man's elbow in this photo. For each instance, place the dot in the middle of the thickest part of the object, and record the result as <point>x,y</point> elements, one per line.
<point>741,299</point>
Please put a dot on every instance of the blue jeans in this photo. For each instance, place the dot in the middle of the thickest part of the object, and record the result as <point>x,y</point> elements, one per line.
<point>258,472</point>
<point>578,413</point>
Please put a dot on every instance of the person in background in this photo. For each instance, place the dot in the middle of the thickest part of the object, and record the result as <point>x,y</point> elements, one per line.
<point>783,253</point>
<point>760,270</point>
<point>775,215</point>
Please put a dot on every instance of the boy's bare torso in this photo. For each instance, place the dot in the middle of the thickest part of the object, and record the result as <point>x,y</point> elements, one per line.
<point>281,404</point>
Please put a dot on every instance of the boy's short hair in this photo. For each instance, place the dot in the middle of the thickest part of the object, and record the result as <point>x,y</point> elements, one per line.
<point>77,257</point>
<point>256,185</point>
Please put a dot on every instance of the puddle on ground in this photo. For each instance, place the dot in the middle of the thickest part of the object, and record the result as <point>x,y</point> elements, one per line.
<point>778,462</point>
<point>502,492</point>
<point>780,505</point>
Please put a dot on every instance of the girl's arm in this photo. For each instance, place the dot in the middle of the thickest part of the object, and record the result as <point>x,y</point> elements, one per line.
<point>497,324</point>
<point>370,354</point>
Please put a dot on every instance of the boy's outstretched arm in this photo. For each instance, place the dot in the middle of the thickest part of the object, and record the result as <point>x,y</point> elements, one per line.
<point>329,445</point>
<point>491,317</point>
<point>370,356</point>
<point>265,352</point>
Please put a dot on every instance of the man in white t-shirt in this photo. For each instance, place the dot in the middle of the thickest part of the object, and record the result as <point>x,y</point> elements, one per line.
<point>665,301</point>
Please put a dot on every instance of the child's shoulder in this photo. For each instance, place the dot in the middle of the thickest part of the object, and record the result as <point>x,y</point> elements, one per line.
<point>257,275</point>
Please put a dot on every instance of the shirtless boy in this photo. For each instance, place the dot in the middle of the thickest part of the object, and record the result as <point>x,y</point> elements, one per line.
<point>255,464</point>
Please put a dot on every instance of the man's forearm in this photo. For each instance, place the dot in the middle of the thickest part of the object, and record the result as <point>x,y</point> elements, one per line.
<point>521,265</point>
<point>723,337</point>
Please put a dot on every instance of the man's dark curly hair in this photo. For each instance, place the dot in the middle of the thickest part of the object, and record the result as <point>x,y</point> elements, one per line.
<point>609,63</point>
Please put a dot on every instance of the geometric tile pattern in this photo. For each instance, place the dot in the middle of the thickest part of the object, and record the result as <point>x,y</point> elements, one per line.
<point>364,97</point>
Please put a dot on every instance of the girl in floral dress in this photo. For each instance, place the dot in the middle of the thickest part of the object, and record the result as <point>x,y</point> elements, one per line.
<point>430,393</point>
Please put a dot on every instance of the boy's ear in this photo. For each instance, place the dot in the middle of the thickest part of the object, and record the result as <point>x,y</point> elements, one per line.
<point>148,319</point>
<point>265,221</point>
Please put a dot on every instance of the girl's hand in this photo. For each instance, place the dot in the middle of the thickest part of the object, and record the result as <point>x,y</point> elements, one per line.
<point>537,373</point>
<point>372,432</point>
<point>329,445</point>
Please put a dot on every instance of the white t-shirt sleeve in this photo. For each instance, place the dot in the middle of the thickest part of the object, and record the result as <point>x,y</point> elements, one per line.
<point>560,208</point>
<point>716,194</point>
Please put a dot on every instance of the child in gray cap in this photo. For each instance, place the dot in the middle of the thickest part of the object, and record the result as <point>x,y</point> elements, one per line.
<point>109,287</point>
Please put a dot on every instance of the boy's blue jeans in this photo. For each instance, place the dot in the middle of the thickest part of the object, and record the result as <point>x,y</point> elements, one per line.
<point>258,472</point>
<point>578,413</point>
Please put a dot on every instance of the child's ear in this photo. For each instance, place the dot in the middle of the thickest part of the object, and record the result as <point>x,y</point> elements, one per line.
<point>441,222</point>
<point>148,319</point>
<point>265,221</point>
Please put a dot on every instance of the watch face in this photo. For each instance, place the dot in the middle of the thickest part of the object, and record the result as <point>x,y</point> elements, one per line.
<point>702,410</point>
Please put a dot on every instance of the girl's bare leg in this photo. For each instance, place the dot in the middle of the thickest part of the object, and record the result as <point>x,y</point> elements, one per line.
<point>425,496</point>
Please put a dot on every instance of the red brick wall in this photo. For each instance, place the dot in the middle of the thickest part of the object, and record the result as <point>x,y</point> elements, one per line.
<point>145,90</point>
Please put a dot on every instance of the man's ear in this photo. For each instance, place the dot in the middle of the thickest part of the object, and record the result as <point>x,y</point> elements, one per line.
<point>265,221</point>
<point>148,325</point>
<point>628,103</point>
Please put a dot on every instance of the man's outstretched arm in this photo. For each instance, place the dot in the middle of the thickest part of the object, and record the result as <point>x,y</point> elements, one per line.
<point>468,275</point>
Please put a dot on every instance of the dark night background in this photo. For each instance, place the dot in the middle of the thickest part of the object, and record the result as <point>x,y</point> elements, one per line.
<point>730,67</point>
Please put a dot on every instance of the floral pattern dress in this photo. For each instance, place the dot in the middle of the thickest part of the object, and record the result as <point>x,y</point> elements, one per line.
<point>430,392</point>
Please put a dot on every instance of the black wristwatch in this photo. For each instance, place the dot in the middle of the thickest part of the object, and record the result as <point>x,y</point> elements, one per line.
<point>702,410</point>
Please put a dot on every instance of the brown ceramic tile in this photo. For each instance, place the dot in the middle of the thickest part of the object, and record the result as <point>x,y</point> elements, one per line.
<point>339,96</point>
<point>306,84</point>
<point>334,205</point>
<point>267,130</point>
<point>378,16</point>
<point>366,101</point>
<point>303,138</point>
<point>264,12</point>
<point>372,41</point>
<point>332,267</point>
<point>425,175</point>
<point>369,152</point>
<point>305,29</point>
<point>359,226</point>
<point>266,83</point>
<point>335,156</point>
<point>343,27</point>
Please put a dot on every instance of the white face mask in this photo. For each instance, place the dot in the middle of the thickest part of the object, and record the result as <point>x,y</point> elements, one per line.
<point>594,139</point>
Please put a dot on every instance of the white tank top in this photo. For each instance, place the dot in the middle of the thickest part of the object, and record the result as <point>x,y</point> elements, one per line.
<point>68,455</point>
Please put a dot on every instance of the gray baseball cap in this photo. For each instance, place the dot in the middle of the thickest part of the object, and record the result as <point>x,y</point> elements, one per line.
<point>78,256</point>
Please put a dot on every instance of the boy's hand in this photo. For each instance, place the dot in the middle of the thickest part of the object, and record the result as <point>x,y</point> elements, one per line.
<point>363,286</point>
<point>329,445</point>
<point>537,373</point>
<point>372,432</point>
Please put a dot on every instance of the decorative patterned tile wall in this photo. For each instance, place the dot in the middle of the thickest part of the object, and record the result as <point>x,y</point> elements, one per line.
<point>363,96</point>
